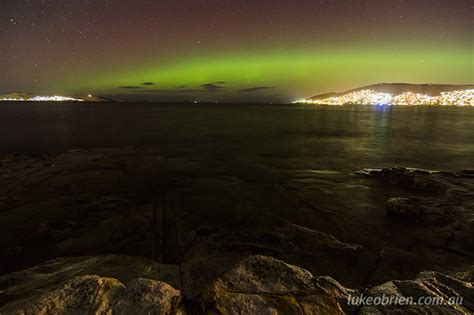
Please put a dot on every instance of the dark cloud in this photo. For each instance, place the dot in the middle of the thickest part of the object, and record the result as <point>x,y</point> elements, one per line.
<point>220,82</point>
<point>173,91</point>
<point>257,88</point>
<point>130,87</point>
<point>204,88</point>
<point>211,87</point>
<point>148,83</point>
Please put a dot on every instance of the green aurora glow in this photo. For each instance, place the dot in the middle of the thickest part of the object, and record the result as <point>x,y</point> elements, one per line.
<point>275,50</point>
<point>301,72</point>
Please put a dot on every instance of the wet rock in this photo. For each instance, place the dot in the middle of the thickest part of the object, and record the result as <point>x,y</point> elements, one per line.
<point>424,183</point>
<point>452,185</point>
<point>265,285</point>
<point>369,171</point>
<point>441,206</point>
<point>415,209</point>
<point>429,286</point>
<point>415,179</point>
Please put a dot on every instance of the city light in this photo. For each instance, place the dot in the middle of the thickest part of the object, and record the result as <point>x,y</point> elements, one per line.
<point>370,97</point>
<point>410,98</point>
<point>53,98</point>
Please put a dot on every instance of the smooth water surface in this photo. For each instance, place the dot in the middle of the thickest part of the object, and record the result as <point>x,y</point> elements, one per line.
<point>289,136</point>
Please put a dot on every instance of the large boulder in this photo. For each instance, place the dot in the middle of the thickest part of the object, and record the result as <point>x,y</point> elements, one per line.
<point>313,250</point>
<point>26,283</point>
<point>145,296</point>
<point>79,295</point>
<point>265,285</point>
<point>97,295</point>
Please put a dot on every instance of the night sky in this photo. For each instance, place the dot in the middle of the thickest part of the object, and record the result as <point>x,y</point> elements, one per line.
<point>230,50</point>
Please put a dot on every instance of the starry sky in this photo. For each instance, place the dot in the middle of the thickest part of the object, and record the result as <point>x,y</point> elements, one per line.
<point>230,50</point>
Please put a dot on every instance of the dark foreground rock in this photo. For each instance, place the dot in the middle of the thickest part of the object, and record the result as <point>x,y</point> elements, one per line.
<point>206,217</point>
<point>424,210</point>
<point>323,254</point>
<point>434,221</point>
<point>255,285</point>
<point>127,214</point>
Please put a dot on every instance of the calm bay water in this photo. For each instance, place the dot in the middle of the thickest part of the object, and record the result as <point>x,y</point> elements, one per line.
<point>281,136</point>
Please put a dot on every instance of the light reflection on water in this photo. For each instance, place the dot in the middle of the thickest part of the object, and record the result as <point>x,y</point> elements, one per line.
<point>289,136</point>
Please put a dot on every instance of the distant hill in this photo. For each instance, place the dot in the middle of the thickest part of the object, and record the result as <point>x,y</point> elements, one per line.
<point>399,88</point>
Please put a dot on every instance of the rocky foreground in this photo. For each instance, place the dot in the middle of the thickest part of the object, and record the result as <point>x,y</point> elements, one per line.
<point>125,231</point>
<point>256,285</point>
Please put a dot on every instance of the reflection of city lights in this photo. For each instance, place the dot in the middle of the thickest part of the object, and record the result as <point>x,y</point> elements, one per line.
<point>54,98</point>
<point>370,97</point>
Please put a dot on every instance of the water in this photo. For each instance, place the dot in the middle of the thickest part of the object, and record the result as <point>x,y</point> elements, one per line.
<point>281,136</point>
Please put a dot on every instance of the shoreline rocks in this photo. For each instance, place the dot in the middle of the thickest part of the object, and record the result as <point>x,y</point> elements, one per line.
<point>255,285</point>
<point>445,207</point>
<point>127,222</point>
<point>428,287</point>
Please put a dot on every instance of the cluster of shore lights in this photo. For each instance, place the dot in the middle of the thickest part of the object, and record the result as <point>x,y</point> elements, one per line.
<point>370,97</point>
<point>53,98</point>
